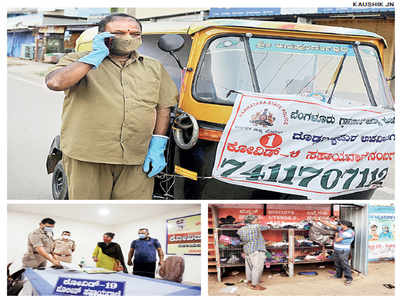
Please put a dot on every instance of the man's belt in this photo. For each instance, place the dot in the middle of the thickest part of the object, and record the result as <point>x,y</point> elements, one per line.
<point>62,255</point>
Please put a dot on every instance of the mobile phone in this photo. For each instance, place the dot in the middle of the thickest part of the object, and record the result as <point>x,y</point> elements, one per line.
<point>108,42</point>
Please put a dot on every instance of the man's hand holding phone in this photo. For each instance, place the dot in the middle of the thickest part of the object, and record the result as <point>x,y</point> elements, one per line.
<point>100,50</point>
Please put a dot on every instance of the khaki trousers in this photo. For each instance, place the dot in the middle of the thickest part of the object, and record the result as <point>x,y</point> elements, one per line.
<point>97,181</point>
<point>254,266</point>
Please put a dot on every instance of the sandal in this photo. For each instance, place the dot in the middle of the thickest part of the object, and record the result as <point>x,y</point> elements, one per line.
<point>348,282</point>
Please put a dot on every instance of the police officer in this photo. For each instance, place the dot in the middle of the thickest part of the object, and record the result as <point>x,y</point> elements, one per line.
<point>63,248</point>
<point>40,245</point>
<point>115,115</point>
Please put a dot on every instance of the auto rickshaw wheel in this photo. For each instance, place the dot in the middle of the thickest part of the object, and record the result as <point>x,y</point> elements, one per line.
<point>59,183</point>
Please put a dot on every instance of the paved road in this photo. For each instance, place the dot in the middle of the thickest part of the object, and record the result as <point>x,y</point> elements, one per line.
<point>34,118</point>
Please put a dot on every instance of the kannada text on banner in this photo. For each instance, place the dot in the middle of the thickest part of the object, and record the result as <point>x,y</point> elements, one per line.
<point>184,235</point>
<point>301,146</point>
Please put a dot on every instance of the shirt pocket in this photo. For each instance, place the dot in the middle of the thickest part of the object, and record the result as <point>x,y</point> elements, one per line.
<point>147,90</point>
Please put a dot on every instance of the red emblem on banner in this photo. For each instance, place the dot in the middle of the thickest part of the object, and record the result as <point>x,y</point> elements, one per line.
<point>271,140</point>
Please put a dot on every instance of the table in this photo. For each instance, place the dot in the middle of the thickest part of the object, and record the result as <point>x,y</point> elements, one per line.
<point>42,283</point>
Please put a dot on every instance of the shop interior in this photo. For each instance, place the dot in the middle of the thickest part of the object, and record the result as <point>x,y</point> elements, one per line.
<point>293,240</point>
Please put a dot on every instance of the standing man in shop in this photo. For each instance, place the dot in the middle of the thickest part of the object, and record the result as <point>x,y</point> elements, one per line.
<point>342,247</point>
<point>40,245</point>
<point>144,250</point>
<point>254,249</point>
<point>63,248</point>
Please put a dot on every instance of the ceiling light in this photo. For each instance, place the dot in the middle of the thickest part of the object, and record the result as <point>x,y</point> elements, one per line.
<point>104,212</point>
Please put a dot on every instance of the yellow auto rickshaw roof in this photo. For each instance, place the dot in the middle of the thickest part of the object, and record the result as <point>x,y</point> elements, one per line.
<point>193,27</point>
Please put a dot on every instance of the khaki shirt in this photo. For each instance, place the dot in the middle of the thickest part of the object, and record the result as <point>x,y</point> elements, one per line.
<point>62,250</point>
<point>61,247</point>
<point>110,114</point>
<point>37,238</point>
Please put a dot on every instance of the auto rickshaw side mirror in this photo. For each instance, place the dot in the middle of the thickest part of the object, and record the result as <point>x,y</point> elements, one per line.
<point>171,43</point>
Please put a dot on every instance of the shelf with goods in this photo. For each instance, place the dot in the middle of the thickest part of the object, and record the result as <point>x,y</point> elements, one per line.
<point>306,244</point>
<point>242,264</point>
<point>291,248</point>
<point>278,248</point>
<point>312,261</point>
<point>212,263</point>
<point>272,229</point>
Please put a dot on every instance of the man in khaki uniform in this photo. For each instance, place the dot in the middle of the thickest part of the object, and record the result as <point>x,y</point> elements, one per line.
<point>40,244</point>
<point>115,114</point>
<point>63,248</point>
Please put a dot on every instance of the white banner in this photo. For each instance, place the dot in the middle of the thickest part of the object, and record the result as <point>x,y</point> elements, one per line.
<point>299,145</point>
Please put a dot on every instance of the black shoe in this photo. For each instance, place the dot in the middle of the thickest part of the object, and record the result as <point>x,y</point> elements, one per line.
<point>348,282</point>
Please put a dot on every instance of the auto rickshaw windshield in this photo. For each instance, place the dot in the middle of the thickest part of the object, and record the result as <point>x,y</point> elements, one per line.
<point>330,72</point>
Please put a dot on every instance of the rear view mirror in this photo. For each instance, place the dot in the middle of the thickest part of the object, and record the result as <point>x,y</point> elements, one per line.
<point>171,42</point>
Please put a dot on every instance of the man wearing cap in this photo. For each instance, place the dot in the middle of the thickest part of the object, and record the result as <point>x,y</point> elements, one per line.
<point>254,250</point>
<point>115,114</point>
<point>40,244</point>
<point>63,248</point>
<point>342,247</point>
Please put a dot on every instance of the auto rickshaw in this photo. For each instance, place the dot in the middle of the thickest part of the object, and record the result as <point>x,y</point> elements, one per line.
<point>213,61</point>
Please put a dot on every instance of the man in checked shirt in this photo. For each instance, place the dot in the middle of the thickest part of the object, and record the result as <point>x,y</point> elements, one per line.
<point>254,249</point>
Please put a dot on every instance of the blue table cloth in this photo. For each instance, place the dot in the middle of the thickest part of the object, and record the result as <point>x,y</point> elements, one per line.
<point>44,282</point>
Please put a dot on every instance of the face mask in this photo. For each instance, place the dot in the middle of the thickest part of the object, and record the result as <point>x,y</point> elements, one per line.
<point>124,45</point>
<point>66,237</point>
<point>142,236</point>
<point>48,229</point>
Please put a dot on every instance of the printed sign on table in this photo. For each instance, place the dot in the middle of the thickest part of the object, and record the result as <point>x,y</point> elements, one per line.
<point>299,145</point>
<point>88,287</point>
<point>184,235</point>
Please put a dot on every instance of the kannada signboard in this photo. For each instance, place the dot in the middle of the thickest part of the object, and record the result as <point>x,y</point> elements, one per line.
<point>184,235</point>
<point>381,241</point>
<point>276,213</point>
<point>88,287</point>
<point>299,145</point>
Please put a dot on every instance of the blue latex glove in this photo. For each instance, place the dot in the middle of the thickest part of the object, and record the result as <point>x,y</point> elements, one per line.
<point>99,52</point>
<point>155,155</point>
